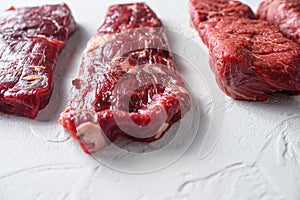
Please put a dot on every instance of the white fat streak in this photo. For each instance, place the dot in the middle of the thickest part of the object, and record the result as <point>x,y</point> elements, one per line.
<point>133,8</point>
<point>92,133</point>
<point>95,42</point>
<point>162,128</point>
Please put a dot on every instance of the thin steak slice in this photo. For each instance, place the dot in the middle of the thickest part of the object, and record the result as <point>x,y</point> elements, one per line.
<point>30,41</point>
<point>251,59</point>
<point>127,84</point>
<point>283,13</point>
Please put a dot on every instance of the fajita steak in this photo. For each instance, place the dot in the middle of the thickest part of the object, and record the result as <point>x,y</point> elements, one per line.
<point>30,41</point>
<point>127,84</point>
<point>250,58</point>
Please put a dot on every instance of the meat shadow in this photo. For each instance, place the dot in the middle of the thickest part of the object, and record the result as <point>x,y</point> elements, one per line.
<point>277,104</point>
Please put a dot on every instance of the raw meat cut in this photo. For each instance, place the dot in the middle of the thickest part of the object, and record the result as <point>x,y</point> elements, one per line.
<point>203,10</point>
<point>30,41</point>
<point>251,59</point>
<point>283,13</point>
<point>128,84</point>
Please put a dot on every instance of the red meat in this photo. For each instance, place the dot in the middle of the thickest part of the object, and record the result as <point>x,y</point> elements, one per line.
<point>283,13</point>
<point>251,59</point>
<point>127,84</point>
<point>30,41</point>
<point>203,10</point>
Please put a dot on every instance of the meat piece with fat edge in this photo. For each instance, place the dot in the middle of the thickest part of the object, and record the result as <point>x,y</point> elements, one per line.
<point>127,84</point>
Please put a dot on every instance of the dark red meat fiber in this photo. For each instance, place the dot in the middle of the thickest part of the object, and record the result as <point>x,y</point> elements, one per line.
<point>30,41</point>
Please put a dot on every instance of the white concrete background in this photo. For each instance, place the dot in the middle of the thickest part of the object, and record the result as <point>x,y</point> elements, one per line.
<point>257,155</point>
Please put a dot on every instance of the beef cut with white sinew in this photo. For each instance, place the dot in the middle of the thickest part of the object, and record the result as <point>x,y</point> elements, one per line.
<point>128,85</point>
<point>250,58</point>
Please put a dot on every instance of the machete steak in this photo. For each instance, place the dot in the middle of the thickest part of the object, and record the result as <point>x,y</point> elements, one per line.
<point>251,59</point>
<point>283,13</point>
<point>30,41</point>
<point>127,84</point>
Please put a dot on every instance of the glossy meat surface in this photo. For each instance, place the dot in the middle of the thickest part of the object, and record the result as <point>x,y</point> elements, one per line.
<point>283,13</point>
<point>250,58</point>
<point>30,41</point>
<point>128,84</point>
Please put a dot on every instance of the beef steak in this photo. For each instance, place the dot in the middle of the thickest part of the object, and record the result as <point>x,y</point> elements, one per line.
<point>251,59</point>
<point>203,10</point>
<point>127,84</point>
<point>283,13</point>
<point>30,40</point>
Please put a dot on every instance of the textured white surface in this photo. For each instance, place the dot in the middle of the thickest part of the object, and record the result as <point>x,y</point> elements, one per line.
<point>257,155</point>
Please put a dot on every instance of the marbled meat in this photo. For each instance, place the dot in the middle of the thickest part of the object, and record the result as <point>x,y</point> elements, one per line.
<point>30,41</point>
<point>250,58</point>
<point>127,84</point>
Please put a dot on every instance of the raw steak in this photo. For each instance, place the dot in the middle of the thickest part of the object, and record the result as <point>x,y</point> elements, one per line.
<point>202,10</point>
<point>30,40</point>
<point>128,84</point>
<point>283,13</point>
<point>251,59</point>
